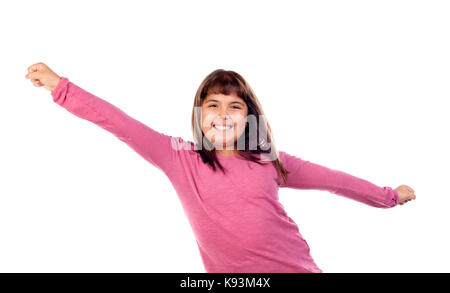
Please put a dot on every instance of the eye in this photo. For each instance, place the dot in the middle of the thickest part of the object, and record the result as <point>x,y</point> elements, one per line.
<point>234,107</point>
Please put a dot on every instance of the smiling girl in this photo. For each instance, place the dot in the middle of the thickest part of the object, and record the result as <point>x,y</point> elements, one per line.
<point>228,179</point>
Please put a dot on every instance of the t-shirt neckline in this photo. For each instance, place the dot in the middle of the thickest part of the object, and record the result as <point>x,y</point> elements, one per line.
<point>227,157</point>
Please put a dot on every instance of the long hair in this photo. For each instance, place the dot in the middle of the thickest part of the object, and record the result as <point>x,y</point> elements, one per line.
<point>226,82</point>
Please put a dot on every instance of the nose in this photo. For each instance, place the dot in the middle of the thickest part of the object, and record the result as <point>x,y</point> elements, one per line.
<point>224,119</point>
<point>223,111</point>
<point>223,115</point>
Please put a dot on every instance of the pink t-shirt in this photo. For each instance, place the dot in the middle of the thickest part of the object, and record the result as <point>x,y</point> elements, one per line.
<point>238,222</point>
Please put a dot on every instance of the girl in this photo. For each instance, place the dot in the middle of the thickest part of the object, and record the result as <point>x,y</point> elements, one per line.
<point>228,180</point>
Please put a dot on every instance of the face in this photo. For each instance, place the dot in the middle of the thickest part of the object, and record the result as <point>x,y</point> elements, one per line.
<point>223,119</point>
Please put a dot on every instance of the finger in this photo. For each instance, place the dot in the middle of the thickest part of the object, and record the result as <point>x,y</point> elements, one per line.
<point>34,80</point>
<point>37,83</point>
<point>34,75</point>
<point>35,67</point>
<point>410,189</point>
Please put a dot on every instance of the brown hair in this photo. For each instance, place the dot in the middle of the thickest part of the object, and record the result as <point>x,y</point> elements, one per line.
<point>226,82</point>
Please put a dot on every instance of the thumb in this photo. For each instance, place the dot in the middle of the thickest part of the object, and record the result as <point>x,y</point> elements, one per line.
<point>34,75</point>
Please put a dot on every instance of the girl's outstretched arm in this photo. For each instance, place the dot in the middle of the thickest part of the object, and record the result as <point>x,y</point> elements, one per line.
<point>307,175</point>
<point>153,146</point>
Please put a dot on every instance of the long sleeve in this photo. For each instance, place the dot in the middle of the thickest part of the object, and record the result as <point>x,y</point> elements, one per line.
<point>307,175</point>
<point>153,146</point>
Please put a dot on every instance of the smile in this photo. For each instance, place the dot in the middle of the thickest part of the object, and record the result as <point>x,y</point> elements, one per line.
<point>222,128</point>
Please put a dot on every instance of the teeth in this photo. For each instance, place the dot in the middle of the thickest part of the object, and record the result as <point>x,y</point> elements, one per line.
<point>220,127</point>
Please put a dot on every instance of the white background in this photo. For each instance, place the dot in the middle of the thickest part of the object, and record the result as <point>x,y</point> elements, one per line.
<point>358,86</point>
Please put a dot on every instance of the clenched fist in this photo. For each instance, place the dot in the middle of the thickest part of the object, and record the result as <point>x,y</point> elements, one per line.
<point>41,75</point>
<point>405,194</point>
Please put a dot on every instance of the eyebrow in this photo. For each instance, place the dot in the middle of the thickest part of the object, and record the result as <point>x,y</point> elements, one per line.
<point>234,102</point>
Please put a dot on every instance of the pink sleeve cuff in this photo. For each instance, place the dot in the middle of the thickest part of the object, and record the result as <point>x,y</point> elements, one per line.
<point>60,90</point>
<point>395,197</point>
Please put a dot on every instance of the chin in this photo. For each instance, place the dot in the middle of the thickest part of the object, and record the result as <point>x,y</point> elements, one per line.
<point>224,145</point>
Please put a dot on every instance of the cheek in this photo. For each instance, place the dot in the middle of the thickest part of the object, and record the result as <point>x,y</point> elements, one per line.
<point>207,117</point>
<point>240,120</point>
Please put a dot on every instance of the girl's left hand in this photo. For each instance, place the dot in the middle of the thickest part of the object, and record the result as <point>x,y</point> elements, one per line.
<point>41,75</point>
<point>405,194</point>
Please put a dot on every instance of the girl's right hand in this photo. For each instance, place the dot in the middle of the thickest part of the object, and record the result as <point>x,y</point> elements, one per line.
<point>405,194</point>
<point>41,75</point>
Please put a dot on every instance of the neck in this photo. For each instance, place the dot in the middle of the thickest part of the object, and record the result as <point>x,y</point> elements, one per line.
<point>225,153</point>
